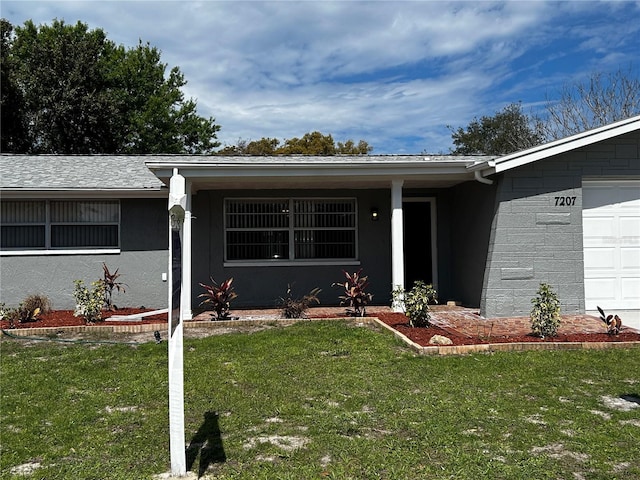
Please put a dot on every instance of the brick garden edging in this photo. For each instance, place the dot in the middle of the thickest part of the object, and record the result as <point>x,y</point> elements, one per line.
<point>502,347</point>
<point>430,350</point>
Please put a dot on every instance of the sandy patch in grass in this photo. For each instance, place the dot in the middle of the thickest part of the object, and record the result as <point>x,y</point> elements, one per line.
<point>604,415</point>
<point>109,409</point>
<point>285,442</point>
<point>557,450</point>
<point>25,469</point>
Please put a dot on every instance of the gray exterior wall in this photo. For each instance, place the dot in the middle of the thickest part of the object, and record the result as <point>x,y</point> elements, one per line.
<point>261,286</point>
<point>463,213</point>
<point>143,259</point>
<point>472,209</point>
<point>533,240</point>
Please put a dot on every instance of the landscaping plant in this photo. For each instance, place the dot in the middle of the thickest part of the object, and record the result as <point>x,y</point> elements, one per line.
<point>218,297</point>
<point>355,295</point>
<point>89,301</point>
<point>27,311</point>
<point>110,284</point>
<point>415,302</point>
<point>296,307</point>
<point>545,314</point>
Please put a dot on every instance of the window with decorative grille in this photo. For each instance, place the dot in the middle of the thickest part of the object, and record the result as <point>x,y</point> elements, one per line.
<point>290,229</point>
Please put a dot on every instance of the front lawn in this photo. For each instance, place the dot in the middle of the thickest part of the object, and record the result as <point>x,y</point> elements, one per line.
<point>319,400</point>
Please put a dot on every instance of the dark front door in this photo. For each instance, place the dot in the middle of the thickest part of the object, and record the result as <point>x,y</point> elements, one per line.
<point>417,243</point>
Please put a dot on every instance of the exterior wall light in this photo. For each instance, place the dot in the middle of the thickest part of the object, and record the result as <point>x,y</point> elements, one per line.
<point>374,215</point>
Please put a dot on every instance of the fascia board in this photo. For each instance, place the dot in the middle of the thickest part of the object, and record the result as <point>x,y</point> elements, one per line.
<point>219,170</point>
<point>566,144</point>
<point>11,193</point>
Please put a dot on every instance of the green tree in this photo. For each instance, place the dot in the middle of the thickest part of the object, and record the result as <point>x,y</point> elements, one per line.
<point>600,100</point>
<point>83,94</point>
<point>13,123</point>
<point>314,143</point>
<point>351,148</point>
<point>509,130</point>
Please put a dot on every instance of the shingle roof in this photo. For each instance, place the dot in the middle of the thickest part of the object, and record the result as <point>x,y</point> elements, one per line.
<point>76,172</point>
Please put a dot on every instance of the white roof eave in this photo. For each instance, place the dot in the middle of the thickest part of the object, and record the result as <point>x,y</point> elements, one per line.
<point>557,147</point>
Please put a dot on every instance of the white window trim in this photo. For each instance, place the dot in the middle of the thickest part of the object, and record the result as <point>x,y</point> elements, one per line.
<point>292,261</point>
<point>34,252</point>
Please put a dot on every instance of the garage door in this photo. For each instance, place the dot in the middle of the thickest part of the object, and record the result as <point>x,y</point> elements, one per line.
<point>611,229</point>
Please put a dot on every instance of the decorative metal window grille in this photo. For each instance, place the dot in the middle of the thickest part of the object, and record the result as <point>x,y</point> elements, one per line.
<point>290,229</point>
<point>59,224</point>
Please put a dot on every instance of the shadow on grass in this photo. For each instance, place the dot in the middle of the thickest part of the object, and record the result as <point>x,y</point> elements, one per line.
<point>208,443</point>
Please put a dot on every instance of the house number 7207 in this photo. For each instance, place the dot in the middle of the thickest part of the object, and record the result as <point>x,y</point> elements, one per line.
<point>565,201</point>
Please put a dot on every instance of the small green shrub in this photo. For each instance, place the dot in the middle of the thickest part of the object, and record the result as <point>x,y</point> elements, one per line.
<point>415,302</point>
<point>218,297</point>
<point>545,314</point>
<point>296,307</point>
<point>354,293</point>
<point>89,302</point>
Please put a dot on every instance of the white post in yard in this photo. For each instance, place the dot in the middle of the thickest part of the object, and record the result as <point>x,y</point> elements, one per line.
<point>397,240</point>
<point>177,209</point>
<point>186,312</point>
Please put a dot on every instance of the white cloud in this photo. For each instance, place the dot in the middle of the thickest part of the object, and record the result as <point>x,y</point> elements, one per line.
<point>392,73</point>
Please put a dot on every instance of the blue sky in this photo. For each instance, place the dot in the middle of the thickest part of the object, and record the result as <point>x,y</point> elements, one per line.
<point>395,74</point>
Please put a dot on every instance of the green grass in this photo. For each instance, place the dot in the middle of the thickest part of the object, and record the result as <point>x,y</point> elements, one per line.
<point>320,400</point>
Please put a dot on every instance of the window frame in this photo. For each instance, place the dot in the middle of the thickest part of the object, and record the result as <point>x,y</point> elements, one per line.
<point>48,225</point>
<point>291,229</point>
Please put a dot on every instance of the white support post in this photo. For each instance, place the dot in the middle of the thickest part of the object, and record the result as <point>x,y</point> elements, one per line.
<point>397,239</point>
<point>187,312</point>
<point>177,210</point>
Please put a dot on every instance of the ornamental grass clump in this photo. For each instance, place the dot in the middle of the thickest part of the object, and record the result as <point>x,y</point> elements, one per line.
<point>28,311</point>
<point>545,314</point>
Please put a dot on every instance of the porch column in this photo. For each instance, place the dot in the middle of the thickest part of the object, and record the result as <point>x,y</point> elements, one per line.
<point>397,239</point>
<point>187,313</point>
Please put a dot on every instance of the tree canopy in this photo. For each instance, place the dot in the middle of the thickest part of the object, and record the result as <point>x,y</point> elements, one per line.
<point>67,89</point>
<point>509,130</point>
<point>313,143</point>
<point>601,99</point>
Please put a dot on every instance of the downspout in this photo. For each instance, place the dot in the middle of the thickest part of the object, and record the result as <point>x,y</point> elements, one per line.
<point>478,176</point>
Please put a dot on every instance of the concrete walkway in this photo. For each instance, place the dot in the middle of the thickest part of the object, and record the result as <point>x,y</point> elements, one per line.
<point>630,318</point>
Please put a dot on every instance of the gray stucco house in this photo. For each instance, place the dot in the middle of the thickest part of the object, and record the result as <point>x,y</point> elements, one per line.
<point>486,231</point>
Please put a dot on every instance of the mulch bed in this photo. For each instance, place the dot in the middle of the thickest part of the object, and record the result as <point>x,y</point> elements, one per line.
<point>65,318</point>
<point>421,336</point>
<point>397,321</point>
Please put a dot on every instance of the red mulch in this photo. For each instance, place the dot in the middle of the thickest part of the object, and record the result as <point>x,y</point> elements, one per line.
<point>421,336</point>
<point>65,318</point>
<point>397,321</point>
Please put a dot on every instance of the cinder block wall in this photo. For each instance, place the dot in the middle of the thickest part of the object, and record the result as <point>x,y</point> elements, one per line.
<point>536,238</point>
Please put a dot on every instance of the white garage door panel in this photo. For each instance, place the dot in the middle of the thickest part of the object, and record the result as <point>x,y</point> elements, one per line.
<point>600,289</point>
<point>611,239</point>
<point>600,258</point>
<point>629,227</point>
<point>598,227</point>
<point>630,257</point>
<point>630,288</point>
